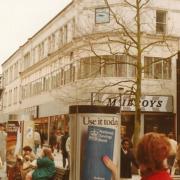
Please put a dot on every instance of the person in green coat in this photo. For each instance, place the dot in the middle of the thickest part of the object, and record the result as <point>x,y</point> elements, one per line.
<point>45,167</point>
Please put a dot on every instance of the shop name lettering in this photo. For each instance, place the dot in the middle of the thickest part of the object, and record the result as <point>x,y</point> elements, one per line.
<point>87,120</point>
<point>131,102</point>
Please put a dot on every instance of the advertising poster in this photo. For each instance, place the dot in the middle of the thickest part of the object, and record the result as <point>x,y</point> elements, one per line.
<point>13,139</point>
<point>28,133</point>
<point>94,132</point>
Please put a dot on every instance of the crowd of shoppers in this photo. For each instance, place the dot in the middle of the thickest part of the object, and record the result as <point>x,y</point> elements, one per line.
<point>155,157</point>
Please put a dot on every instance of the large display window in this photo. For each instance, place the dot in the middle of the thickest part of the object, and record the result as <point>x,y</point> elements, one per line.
<point>41,126</point>
<point>127,125</point>
<point>48,126</point>
<point>160,122</point>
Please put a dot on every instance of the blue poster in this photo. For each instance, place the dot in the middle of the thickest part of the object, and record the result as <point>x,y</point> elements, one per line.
<point>100,142</point>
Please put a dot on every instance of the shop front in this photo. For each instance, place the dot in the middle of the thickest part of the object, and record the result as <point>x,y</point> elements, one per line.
<point>150,122</point>
<point>48,119</point>
<point>47,126</point>
<point>156,113</point>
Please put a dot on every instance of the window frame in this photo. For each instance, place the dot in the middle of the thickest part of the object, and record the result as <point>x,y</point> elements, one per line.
<point>106,12</point>
<point>163,24</point>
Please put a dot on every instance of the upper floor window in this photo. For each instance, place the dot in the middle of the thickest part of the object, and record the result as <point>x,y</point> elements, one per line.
<point>65,33</point>
<point>102,15</point>
<point>11,74</point>
<point>6,79</point>
<point>15,95</point>
<point>107,66</point>
<point>161,21</point>
<point>157,68</point>
<point>90,67</point>
<point>27,60</point>
<point>16,70</point>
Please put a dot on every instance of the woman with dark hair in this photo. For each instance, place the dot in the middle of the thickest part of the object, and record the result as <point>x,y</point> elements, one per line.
<point>45,167</point>
<point>152,152</point>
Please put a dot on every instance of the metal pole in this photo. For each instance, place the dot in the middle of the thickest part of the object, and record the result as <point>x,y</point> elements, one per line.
<point>120,98</point>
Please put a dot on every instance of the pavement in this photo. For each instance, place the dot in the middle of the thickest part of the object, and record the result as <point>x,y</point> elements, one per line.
<point>137,177</point>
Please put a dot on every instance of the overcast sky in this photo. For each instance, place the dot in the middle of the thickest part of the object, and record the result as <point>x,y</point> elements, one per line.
<point>20,19</point>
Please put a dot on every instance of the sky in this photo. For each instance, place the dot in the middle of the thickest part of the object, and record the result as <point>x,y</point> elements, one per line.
<point>21,19</point>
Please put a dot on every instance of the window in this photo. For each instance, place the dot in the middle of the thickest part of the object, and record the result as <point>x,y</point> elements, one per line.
<point>15,70</point>
<point>102,15</point>
<point>84,68</point>
<point>157,68</point>
<point>15,95</point>
<point>6,79</point>
<point>167,69</point>
<point>40,51</point>
<point>90,67</point>
<point>11,74</point>
<point>131,62</point>
<point>62,76</point>
<point>5,100</point>
<point>26,60</point>
<point>53,42</point>
<point>109,66</point>
<point>49,44</point>
<point>10,98</point>
<point>60,38</point>
<point>65,33</point>
<point>95,67</point>
<point>121,68</point>
<point>161,21</point>
<point>72,72</point>
<point>73,27</point>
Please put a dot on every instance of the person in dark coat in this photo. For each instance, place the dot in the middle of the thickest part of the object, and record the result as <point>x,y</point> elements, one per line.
<point>53,140</point>
<point>45,167</point>
<point>63,146</point>
<point>127,159</point>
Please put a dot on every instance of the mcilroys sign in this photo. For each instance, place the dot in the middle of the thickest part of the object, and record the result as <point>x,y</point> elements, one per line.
<point>148,103</point>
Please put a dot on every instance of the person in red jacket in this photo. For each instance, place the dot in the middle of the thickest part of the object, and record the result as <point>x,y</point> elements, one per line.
<point>152,152</point>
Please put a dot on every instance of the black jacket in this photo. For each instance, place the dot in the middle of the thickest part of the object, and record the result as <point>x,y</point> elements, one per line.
<point>125,166</point>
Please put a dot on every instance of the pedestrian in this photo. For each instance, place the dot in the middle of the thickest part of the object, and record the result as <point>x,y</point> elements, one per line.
<point>68,149</point>
<point>45,169</point>
<point>172,155</point>
<point>59,135</point>
<point>3,140</point>
<point>127,159</point>
<point>27,158</point>
<point>177,161</point>
<point>152,151</point>
<point>63,146</point>
<point>53,140</point>
<point>37,140</point>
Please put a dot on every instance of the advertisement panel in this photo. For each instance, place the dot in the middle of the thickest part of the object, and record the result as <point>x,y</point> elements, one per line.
<point>14,130</point>
<point>94,132</point>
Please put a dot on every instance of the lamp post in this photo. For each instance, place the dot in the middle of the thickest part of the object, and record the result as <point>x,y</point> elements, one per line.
<point>121,91</point>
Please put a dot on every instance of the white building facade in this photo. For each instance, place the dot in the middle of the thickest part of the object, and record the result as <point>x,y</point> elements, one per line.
<point>69,58</point>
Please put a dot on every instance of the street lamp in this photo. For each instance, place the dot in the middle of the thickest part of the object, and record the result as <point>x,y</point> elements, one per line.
<point>121,91</point>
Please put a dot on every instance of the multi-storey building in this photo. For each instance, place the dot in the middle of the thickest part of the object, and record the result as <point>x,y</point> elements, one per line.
<point>69,58</point>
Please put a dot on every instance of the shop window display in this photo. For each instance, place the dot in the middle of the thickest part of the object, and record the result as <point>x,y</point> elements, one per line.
<point>160,123</point>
